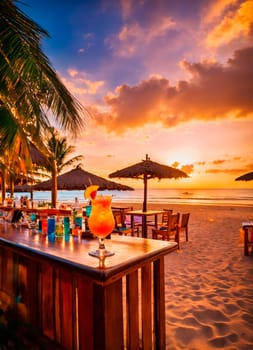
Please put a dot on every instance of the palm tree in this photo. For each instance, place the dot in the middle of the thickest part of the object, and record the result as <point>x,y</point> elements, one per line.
<point>58,152</point>
<point>14,162</point>
<point>29,87</point>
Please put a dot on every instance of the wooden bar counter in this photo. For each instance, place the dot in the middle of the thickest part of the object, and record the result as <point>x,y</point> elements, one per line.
<point>81,303</point>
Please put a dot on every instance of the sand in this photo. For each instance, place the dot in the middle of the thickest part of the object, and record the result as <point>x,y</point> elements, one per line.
<point>209,282</point>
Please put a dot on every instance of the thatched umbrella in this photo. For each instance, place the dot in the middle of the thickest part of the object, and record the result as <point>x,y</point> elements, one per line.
<point>79,179</point>
<point>37,157</point>
<point>25,183</point>
<point>245,177</point>
<point>23,188</point>
<point>146,170</point>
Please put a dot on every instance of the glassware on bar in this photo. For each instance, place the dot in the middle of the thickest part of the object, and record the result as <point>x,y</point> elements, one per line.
<point>101,223</point>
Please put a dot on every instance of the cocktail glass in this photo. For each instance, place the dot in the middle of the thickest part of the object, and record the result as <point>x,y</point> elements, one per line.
<point>101,223</point>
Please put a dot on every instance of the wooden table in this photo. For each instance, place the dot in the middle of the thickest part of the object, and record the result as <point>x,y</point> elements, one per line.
<point>144,215</point>
<point>76,300</point>
<point>248,236</point>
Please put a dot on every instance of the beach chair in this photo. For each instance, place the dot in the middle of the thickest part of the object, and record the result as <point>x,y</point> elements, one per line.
<point>171,231</point>
<point>184,224</point>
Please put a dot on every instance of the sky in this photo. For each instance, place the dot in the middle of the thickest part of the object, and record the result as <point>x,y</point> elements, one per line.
<point>171,79</point>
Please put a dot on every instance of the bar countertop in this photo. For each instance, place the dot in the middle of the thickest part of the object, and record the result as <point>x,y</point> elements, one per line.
<point>74,253</point>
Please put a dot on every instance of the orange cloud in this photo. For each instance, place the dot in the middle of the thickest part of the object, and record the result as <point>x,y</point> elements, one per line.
<point>214,92</point>
<point>219,161</point>
<point>224,171</point>
<point>78,83</point>
<point>188,168</point>
<point>248,167</point>
<point>237,22</point>
<point>216,9</point>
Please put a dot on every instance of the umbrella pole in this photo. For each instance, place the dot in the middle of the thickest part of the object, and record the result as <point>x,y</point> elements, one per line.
<point>31,192</point>
<point>145,179</point>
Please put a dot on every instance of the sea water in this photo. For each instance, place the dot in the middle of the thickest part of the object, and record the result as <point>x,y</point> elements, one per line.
<point>161,196</point>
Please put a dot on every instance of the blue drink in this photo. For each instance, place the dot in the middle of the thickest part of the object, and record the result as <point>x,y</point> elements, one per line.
<point>66,225</point>
<point>51,228</point>
<point>88,210</point>
<point>78,222</point>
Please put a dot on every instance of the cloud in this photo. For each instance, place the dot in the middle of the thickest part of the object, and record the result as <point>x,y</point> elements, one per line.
<point>246,168</point>
<point>213,92</point>
<point>78,83</point>
<point>216,9</point>
<point>236,22</point>
<point>136,34</point>
<point>188,168</point>
<point>219,161</point>
<point>232,171</point>
<point>228,170</point>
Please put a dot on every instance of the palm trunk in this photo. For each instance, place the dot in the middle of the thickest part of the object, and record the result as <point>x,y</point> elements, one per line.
<point>3,178</point>
<point>11,186</point>
<point>54,185</point>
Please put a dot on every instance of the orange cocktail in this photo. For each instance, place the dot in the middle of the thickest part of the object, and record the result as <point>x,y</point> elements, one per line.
<point>101,221</point>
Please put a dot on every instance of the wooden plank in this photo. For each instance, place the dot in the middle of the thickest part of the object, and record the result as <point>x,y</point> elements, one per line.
<point>1,267</point>
<point>57,307</point>
<point>146,306</point>
<point>85,313</point>
<point>132,310</point>
<point>47,300</point>
<point>7,289</point>
<point>67,306</point>
<point>22,298</point>
<point>32,291</point>
<point>108,316</point>
<point>9,273</point>
<point>159,305</point>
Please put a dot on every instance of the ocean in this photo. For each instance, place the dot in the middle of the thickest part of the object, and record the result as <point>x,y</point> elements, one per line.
<point>242,197</point>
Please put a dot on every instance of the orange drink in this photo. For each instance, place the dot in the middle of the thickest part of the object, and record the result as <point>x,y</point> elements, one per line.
<point>101,221</point>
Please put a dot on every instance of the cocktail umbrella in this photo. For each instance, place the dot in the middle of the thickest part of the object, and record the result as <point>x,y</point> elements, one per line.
<point>245,177</point>
<point>79,179</point>
<point>146,170</point>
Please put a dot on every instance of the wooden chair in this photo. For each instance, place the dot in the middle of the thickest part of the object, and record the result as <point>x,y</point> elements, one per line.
<point>137,224</point>
<point>165,215</point>
<point>120,226</point>
<point>184,224</point>
<point>164,219</point>
<point>170,230</point>
<point>248,237</point>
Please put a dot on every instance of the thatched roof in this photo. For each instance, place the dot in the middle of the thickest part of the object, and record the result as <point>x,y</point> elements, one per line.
<point>79,179</point>
<point>37,157</point>
<point>245,177</point>
<point>23,188</point>
<point>146,170</point>
<point>150,169</point>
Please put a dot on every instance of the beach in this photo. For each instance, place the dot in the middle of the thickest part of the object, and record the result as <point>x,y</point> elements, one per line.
<point>209,281</point>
